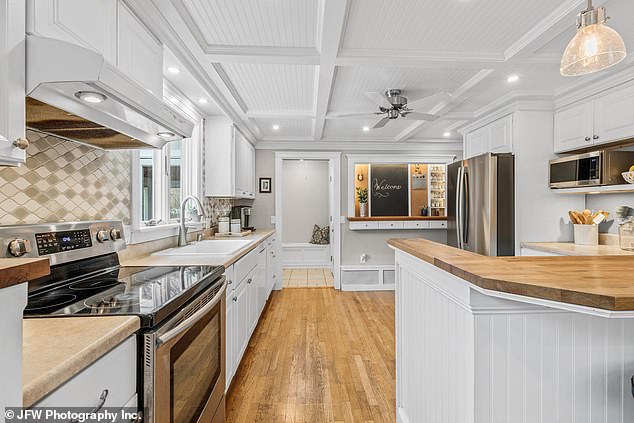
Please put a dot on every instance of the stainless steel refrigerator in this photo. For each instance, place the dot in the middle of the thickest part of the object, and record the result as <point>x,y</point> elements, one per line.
<point>481,204</point>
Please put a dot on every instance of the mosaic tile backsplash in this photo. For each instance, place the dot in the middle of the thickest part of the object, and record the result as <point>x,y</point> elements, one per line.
<point>65,181</point>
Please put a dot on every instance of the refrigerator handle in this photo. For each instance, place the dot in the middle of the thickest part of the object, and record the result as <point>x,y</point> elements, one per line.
<point>465,220</point>
<point>459,207</point>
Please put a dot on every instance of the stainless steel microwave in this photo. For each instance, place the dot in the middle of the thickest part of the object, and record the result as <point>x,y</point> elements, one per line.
<point>597,168</point>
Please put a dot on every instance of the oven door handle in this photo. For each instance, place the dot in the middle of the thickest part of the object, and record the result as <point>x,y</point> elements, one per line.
<point>192,320</point>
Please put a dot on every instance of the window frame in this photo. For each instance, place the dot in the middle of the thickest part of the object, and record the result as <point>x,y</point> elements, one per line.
<point>191,175</point>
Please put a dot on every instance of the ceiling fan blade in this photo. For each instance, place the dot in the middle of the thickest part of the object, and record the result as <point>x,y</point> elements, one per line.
<point>430,101</point>
<point>378,99</point>
<point>381,123</point>
<point>351,115</point>
<point>419,116</point>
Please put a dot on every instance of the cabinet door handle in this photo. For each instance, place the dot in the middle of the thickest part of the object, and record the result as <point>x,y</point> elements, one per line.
<point>249,280</point>
<point>235,298</point>
<point>587,139</point>
<point>21,143</point>
<point>99,406</point>
<point>229,281</point>
<point>595,137</point>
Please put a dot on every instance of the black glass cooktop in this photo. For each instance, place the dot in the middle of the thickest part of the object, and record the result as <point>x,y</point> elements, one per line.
<point>152,293</point>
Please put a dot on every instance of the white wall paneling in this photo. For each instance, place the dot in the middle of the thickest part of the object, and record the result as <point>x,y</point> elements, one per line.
<point>367,277</point>
<point>463,355</point>
<point>305,255</point>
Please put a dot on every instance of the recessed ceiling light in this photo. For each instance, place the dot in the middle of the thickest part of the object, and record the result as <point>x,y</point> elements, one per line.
<point>90,96</point>
<point>447,134</point>
<point>276,127</point>
<point>166,134</point>
<point>173,69</point>
<point>513,78</point>
<point>202,100</point>
<point>366,128</point>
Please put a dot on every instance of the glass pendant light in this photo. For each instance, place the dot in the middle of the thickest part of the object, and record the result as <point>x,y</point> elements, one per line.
<point>595,46</point>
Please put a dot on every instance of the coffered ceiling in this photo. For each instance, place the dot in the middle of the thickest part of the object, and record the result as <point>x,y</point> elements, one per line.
<point>286,70</point>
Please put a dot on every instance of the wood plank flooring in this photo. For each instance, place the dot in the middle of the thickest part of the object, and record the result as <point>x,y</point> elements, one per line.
<point>319,355</point>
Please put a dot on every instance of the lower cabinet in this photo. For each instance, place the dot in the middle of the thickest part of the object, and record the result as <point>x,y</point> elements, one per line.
<point>272,263</point>
<point>108,382</point>
<point>248,289</point>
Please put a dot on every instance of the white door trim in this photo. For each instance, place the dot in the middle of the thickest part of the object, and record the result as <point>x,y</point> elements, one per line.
<point>335,160</point>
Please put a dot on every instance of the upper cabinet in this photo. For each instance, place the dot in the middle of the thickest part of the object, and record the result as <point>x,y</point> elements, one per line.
<point>12,70</point>
<point>229,161</point>
<point>606,118</point>
<point>496,137</point>
<point>106,26</point>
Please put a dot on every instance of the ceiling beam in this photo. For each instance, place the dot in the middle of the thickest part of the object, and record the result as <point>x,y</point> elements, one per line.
<point>443,60</point>
<point>280,114</point>
<point>262,55</point>
<point>333,18</point>
<point>161,17</point>
<point>447,106</point>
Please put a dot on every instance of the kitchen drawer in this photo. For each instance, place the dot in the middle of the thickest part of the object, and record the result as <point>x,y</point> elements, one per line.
<point>358,226</point>
<point>391,225</point>
<point>247,263</point>
<point>115,371</point>
<point>438,224</point>
<point>416,224</point>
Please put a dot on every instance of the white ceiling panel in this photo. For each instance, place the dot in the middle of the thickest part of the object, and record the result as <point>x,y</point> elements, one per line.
<point>442,26</point>
<point>353,128</point>
<point>273,86</point>
<point>287,127</point>
<point>266,23</point>
<point>351,83</point>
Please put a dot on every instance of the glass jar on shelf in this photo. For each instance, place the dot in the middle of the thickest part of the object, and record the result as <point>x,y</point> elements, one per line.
<point>626,234</point>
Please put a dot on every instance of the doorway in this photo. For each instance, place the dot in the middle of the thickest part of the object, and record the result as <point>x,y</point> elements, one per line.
<point>307,210</point>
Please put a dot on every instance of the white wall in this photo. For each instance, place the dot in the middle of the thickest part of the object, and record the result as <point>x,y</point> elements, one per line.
<point>353,243</point>
<point>305,198</point>
<point>609,203</point>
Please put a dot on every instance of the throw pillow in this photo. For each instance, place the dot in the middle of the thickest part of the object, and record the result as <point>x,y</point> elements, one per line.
<point>320,236</point>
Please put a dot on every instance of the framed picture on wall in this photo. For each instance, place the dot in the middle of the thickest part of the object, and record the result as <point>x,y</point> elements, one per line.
<point>265,185</point>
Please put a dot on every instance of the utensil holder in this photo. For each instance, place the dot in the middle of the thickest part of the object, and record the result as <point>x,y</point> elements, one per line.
<point>587,234</point>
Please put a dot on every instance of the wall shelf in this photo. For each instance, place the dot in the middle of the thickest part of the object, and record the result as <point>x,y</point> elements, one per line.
<point>608,189</point>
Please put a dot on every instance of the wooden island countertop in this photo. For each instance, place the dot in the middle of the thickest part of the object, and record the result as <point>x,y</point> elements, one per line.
<point>14,271</point>
<point>603,282</point>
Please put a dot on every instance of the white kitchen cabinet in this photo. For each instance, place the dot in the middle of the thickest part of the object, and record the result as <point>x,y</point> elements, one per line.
<point>114,373</point>
<point>230,329</point>
<point>260,282</point>
<point>573,127</point>
<point>272,264</point>
<point>242,300</point>
<point>139,54</point>
<point>229,161</point>
<point>496,137</point>
<point>605,118</point>
<point>92,24</point>
<point>12,71</point>
<point>107,27</point>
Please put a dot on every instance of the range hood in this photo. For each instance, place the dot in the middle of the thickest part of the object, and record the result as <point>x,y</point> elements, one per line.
<point>74,94</point>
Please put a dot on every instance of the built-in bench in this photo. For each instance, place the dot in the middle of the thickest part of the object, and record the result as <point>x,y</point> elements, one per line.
<point>304,254</point>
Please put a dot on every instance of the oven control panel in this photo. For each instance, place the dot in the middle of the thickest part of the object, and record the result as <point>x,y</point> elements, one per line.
<point>62,242</point>
<point>56,242</point>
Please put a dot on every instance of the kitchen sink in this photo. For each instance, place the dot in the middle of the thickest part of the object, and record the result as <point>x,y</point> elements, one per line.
<point>207,248</point>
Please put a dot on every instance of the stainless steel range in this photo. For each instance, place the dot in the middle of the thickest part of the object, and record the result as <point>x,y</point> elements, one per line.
<point>181,309</point>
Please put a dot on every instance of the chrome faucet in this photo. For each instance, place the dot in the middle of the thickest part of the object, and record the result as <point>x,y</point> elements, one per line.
<point>182,233</point>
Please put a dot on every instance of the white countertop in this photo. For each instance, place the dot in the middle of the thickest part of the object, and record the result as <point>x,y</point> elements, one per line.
<point>259,236</point>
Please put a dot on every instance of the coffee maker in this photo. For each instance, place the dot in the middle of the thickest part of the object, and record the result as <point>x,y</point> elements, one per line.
<point>245,214</point>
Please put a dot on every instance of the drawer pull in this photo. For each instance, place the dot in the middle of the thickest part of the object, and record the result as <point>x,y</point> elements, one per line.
<point>99,406</point>
<point>235,298</point>
<point>229,281</point>
<point>249,280</point>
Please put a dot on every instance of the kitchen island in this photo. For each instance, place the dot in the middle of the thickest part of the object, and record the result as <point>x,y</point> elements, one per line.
<point>504,339</point>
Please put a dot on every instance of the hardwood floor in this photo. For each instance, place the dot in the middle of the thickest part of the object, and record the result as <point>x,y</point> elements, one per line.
<point>319,355</point>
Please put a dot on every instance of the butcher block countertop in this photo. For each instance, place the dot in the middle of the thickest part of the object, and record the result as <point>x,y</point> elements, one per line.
<point>14,271</point>
<point>259,236</point>
<point>56,349</point>
<point>392,218</point>
<point>603,282</point>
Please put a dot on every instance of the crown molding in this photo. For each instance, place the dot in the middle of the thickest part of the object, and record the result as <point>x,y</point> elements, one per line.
<point>442,146</point>
<point>265,55</point>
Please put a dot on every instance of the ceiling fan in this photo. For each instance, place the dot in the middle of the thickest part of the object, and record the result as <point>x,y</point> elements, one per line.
<point>393,105</point>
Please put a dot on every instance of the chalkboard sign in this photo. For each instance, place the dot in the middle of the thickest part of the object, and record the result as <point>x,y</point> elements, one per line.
<point>389,190</point>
